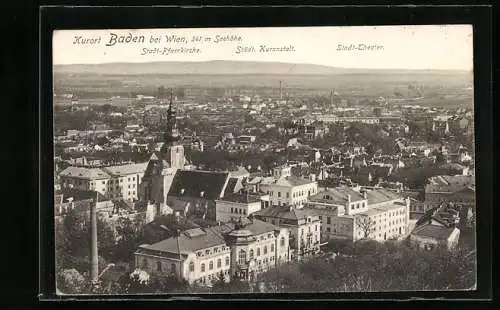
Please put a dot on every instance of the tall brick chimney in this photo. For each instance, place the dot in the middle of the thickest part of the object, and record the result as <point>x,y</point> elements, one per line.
<point>94,257</point>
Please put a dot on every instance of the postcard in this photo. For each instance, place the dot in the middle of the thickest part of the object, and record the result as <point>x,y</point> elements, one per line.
<point>264,160</point>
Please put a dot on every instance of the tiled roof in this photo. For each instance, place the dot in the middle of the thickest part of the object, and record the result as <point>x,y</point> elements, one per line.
<point>285,213</point>
<point>381,195</point>
<point>231,185</point>
<point>85,173</point>
<point>126,169</point>
<point>241,198</point>
<point>433,231</point>
<point>337,195</point>
<point>194,182</point>
<point>189,241</point>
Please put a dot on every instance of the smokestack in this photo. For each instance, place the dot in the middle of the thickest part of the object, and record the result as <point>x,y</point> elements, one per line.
<point>281,90</point>
<point>94,264</point>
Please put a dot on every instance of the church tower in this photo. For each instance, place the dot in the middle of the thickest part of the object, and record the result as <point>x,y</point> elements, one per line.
<point>163,165</point>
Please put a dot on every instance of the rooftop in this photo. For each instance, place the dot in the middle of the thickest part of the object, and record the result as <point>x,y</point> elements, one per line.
<point>381,195</point>
<point>241,198</point>
<point>126,169</point>
<point>285,212</point>
<point>337,195</point>
<point>291,181</point>
<point>85,173</point>
<point>433,231</point>
<point>193,183</point>
<point>189,241</point>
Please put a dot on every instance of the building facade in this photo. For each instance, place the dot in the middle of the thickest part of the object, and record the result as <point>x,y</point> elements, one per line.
<point>233,206</point>
<point>347,214</point>
<point>202,255</point>
<point>284,189</point>
<point>304,228</point>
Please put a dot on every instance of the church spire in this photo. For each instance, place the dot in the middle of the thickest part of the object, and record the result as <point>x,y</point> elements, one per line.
<point>171,134</point>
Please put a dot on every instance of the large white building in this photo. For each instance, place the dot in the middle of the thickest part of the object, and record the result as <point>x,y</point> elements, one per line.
<point>285,189</point>
<point>378,214</point>
<point>115,182</point>
<point>201,255</point>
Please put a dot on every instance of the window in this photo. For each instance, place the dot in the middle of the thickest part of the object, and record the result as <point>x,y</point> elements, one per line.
<point>251,254</point>
<point>245,212</point>
<point>129,186</point>
<point>219,263</point>
<point>279,193</point>
<point>172,268</point>
<point>203,267</point>
<point>210,265</point>
<point>231,210</point>
<point>265,250</point>
<point>328,229</point>
<point>121,180</point>
<point>315,227</point>
<point>242,257</point>
<point>191,266</point>
<point>282,241</point>
<point>133,179</point>
<point>129,179</point>
<point>258,251</point>
<point>328,220</point>
<point>158,266</point>
<point>103,182</point>
<point>227,260</point>
<point>272,247</point>
<point>287,195</point>
<point>320,218</point>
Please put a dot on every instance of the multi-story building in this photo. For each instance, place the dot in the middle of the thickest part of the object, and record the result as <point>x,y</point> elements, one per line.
<point>459,189</point>
<point>285,189</point>
<point>233,206</point>
<point>304,227</point>
<point>196,255</point>
<point>125,181</point>
<point>256,247</point>
<point>85,179</point>
<point>116,182</point>
<point>347,214</point>
<point>201,255</point>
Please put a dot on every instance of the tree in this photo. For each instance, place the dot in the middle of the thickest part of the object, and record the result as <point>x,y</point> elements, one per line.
<point>70,281</point>
<point>365,224</point>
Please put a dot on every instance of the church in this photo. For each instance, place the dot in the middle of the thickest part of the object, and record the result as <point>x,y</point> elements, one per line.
<point>170,185</point>
<point>163,165</point>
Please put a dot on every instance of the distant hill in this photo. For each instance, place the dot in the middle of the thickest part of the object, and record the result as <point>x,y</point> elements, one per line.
<point>223,67</point>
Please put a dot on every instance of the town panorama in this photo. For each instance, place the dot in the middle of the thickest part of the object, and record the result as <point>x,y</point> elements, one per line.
<point>269,183</point>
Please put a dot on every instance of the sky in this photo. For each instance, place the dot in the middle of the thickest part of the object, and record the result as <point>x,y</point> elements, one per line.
<point>398,47</point>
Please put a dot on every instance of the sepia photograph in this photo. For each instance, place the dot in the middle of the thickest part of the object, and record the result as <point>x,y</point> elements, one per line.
<point>269,160</point>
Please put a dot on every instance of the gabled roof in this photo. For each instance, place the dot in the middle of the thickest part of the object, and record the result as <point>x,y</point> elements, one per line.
<point>337,195</point>
<point>126,169</point>
<point>433,231</point>
<point>381,195</point>
<point>241,198</point>
<point>188,241</point>
<point>193,182</point>
<point>85,173</point>
<point>284,212</point>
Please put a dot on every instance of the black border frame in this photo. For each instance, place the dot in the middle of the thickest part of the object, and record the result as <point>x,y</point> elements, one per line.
<point>57,17</point>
